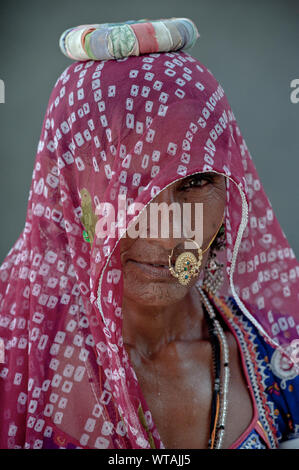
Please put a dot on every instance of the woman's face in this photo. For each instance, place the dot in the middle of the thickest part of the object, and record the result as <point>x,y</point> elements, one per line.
<point>147,285</point>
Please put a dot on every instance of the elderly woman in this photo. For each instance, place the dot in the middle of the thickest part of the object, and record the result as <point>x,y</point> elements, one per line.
<point>113,334</point>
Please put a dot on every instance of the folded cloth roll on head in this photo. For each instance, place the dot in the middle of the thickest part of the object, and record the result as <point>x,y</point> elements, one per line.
<point>119,40</point>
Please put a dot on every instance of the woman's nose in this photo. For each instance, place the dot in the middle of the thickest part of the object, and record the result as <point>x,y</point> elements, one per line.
<point>164,219</point>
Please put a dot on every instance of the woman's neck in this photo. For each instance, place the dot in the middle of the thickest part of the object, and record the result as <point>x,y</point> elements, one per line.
<point>149,329</point>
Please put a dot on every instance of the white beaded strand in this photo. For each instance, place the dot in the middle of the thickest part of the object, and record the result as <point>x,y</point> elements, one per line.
<point>224,389</point>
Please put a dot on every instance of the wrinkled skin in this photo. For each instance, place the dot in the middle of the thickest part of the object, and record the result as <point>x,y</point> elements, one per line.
<point>160,295</point>
<point>166,335</point>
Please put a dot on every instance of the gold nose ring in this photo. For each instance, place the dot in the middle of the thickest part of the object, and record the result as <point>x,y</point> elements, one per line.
<point>186,265</point>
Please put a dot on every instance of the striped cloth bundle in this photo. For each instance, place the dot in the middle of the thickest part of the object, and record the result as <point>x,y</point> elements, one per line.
<point>119,40</point>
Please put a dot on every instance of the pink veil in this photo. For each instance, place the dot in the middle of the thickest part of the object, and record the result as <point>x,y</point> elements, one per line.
<point>121,127</point>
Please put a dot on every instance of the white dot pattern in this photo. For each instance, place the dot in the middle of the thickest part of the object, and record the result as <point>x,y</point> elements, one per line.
<point>121,127</point>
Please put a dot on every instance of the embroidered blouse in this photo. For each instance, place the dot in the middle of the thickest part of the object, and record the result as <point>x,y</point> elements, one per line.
<point>273,382</point>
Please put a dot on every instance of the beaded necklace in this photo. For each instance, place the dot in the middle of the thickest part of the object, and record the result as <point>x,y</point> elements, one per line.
<point>220,390</point>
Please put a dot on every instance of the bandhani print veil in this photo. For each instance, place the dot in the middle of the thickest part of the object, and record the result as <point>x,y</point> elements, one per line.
<point>129,127</point>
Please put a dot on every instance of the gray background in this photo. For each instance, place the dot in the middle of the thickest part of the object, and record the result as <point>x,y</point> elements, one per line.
<point>250,46</point>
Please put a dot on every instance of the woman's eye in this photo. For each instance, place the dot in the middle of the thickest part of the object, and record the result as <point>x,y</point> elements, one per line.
<point>196,181</point>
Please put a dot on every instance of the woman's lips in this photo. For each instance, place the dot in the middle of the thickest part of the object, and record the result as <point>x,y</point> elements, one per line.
<point>152,271</point>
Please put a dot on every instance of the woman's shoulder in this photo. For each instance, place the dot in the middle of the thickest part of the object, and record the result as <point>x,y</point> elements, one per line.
<point>272,371</point>
<point>278,357</point>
